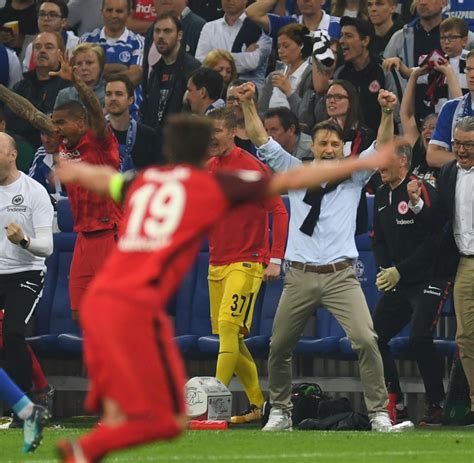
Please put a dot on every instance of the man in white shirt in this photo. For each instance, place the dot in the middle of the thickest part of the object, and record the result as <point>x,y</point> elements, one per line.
<point>52,17</point>
<point>456,206</point>
<point>249,45</point>
<point>26,217</point>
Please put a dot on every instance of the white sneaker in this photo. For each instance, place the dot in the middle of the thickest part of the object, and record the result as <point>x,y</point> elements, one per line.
<point>403,426</point>
<point>381,422</point>
<point>278,421</point>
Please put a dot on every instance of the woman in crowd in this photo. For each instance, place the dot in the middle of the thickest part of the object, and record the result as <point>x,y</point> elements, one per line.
<point>89,60</point>
<point>223,62</point>
<point>286,87</point>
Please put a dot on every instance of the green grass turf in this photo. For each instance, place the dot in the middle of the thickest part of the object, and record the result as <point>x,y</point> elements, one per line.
<point>453,445</point>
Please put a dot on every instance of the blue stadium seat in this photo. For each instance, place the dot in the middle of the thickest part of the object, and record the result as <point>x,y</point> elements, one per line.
<point>325,342</point>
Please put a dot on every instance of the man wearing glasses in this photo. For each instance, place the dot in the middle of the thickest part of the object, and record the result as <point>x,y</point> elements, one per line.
<point>52,17</point>
<point>440,147</point>
<point>456,207</point>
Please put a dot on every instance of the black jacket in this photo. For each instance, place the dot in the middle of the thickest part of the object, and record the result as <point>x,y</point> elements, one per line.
<point>443,214</point>
<point>185,65</point>
<point>42,94</point>
<point>401,237</point>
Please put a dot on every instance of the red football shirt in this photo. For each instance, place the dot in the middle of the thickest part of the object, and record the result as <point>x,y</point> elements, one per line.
<point>90,211</point>
<point>252,219</point>
<point>168,210</point>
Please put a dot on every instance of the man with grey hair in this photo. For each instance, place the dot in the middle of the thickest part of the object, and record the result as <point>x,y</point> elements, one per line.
<point>412,290</point>
<point>26,219</point>
<point>455,206</point>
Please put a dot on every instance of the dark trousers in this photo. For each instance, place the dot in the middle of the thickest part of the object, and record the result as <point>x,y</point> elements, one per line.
<point>420,304</point>
<point>19,293</point>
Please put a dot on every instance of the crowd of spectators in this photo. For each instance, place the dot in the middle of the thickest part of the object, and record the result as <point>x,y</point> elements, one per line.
<point>311,62</point>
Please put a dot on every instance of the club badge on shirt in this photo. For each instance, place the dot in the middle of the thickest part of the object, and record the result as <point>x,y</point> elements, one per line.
<point>402,207</point>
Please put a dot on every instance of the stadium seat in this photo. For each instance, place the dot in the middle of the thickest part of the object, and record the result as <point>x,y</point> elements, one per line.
<point>325,342</point>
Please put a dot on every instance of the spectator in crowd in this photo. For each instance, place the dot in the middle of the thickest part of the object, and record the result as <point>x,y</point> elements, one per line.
<point>241,138</point>
<point>386,23</point>
<point>168,80</point>
<point>222,62</point>
<point>45,158</point>
<point>138,144</point>
<point>123,48</point>
<point>320,252</point>
<point>440,146</point>
<point>412,292</point>
<point>311,15</point>
<point>10,67</point>
<point>362,69</point>
<point>191,26</point>
<point>26,241</point>
<point>248,44</point>
<point>445,76</point>
<point>237,267</point>
<point>38,86</point>
<point>89,62</point>
<point>143,16</point>
<point>283,126</point>
<point>455,207</point>
<point>352,8</point>
<point>84,15</point>
<point>52,16</point>
<point>294,48</point>
<point>419,139</point>
<point>204,90</point>
<point>23,11</point>
<point>25,151</point>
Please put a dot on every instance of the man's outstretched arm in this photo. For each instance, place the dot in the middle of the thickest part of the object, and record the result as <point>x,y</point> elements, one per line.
<point>26,110</point>
<point>314,174</point>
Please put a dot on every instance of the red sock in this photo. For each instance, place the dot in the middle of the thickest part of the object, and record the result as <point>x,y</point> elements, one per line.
<point>104,439</point>
<point>39,379</point>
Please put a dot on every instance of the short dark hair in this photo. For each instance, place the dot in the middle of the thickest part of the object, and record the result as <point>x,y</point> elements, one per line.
<point>170,15</point>
<point>121,78</point>
<point>226,115</point>
<point>74,109</point>
<point>211,80</point>
<point>286,116</point>
<point>129,5</point>
<point>328,126</point>
<point>186,139</point>
<point>238,82</point>
<point>61,4</point>
<point>363,26</point>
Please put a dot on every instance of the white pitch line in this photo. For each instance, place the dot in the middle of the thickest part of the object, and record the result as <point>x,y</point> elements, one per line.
<point>260,457</point>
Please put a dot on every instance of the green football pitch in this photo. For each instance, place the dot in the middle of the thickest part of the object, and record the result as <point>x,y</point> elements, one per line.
<point>453,445</point>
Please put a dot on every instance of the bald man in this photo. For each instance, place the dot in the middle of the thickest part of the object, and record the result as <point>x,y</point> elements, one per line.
<point>26,239</point>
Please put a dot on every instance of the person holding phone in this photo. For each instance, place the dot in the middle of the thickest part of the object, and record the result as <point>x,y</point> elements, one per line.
<point>293,70</point>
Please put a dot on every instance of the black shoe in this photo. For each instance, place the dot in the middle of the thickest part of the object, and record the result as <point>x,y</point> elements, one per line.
<point>402,415</point>
<point>45,397</point>
<point>433,415</point>
<point>16,423</point>
<point>468,419</point>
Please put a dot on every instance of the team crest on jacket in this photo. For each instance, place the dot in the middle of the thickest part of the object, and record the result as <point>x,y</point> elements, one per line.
<point>124,56</point>
<point>402,207</point>
<point>374,86</point>
<point>17,200</point>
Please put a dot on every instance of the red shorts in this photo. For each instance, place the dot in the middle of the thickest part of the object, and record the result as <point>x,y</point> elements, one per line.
<point>90,252</point>
<point>130,355</point>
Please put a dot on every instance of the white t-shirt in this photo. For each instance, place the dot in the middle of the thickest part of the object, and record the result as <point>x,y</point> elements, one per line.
<point>27,203</point>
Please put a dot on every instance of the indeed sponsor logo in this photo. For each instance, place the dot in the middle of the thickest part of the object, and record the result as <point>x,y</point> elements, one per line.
<point>405,222</point>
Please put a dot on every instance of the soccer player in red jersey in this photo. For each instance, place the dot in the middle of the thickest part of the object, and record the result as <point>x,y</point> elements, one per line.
<point>136,374</point>
<point>237,266</point>
<point>87,137</point>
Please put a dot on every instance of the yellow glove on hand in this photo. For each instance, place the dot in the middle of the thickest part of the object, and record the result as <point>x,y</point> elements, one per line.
<point>387,279</point>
